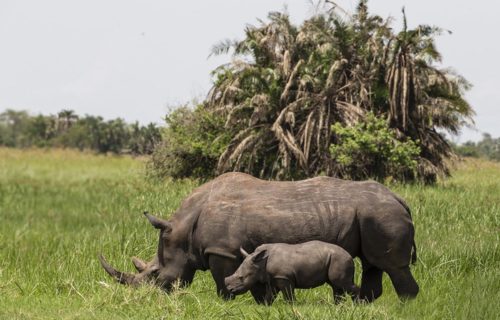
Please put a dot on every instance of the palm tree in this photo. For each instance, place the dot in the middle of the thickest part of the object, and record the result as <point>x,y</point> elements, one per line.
<point>287,85</point>
<point>424,100</point>
<point>251,92</point>
<point>281,100</point>
<point>65,119</point>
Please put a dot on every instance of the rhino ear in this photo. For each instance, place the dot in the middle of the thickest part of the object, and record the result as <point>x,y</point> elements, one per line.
<point>157,222</point>
<point>244,253</point>
<point>260,257</point>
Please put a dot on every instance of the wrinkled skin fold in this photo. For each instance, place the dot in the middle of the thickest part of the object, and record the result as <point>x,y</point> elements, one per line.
<point>236,210</point>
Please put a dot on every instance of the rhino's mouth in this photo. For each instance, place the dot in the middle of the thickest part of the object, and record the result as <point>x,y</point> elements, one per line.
<point>236,288</point>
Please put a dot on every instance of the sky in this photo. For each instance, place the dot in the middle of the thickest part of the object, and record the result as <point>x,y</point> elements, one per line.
<point>138,59</point>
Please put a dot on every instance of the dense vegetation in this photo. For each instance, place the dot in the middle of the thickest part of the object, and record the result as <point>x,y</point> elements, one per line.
<point>68,130</point>
<point>488,148</point>
<point>272,107</point>
<point>59,209</point>
<point>191,145</point>
<point>369,149</point>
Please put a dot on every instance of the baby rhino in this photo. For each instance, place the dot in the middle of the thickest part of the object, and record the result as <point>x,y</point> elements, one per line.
<point>284,267</point>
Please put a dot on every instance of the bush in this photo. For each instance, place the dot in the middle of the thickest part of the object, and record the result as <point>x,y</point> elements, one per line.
<point>370,149</point>
<point>468,149</point>
<point>488,148</point>
<point>191,144</point>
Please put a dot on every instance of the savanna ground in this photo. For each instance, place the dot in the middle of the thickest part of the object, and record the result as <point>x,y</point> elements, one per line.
<point>59,209</point>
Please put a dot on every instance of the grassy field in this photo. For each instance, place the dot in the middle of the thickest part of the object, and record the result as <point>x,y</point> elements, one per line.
<point>59,209</point>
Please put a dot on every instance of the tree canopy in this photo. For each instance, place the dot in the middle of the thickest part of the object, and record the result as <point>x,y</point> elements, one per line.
<point>68,130</point>
<point>286,85</point>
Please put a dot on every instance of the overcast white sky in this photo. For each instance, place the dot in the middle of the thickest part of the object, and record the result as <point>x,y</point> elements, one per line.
<point>133,59</point>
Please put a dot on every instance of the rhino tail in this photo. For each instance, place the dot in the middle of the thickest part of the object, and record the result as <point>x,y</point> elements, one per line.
<point>413,246</point>
<point>414,253</point>
<point>403,203</point>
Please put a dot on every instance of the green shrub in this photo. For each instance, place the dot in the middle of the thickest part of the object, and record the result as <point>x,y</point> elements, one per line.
<point>488,148</point>
<point>468,149</point>
<point>370,149</point>
<point>191,144</point>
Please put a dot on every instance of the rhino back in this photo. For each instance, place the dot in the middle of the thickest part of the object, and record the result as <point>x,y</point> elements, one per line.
<point>306,264</point>
<point>237,210</point>
<point>245,211</point>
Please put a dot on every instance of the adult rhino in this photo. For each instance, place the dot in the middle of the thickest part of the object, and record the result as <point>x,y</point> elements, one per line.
<point>237,210</point>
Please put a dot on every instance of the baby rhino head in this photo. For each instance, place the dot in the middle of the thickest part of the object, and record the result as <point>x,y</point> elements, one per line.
<point>252,270</point>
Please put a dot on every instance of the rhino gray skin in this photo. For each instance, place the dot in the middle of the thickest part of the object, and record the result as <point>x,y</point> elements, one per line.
<point>284,267</point>
<point>237,210</point>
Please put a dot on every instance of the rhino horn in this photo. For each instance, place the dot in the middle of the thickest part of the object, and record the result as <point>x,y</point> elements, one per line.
<point>244,253</point>
<point>157,222</point>
<point>139,264</point>
<point>122,277</point>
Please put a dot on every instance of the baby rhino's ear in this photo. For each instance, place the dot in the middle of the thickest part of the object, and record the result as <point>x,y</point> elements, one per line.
<point>243,253</point>
<point>260,258</point>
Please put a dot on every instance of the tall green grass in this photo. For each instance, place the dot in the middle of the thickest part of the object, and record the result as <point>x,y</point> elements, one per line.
<point>59,209</point>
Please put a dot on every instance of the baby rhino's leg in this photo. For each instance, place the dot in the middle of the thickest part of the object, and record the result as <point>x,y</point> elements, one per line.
<point>271,293</point>
<point>259,293</point>
<point>287,287</point>
<point>341,277</point>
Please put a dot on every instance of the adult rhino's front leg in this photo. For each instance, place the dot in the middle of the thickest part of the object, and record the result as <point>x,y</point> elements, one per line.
<point>222,267</point>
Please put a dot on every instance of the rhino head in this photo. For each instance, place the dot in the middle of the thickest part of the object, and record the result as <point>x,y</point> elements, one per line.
<point>251,271</point>
<point>172,263</point>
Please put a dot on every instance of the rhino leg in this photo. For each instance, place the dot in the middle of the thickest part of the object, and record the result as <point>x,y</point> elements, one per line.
<point>338,294</point>
<point>271,293</point>
<point>222,267</point>
<point>259,293</point>
<point>341,278</point>
<point>404,283</point>
<point>371,283</point>
<point>288,289</point>
<point>386,244</point>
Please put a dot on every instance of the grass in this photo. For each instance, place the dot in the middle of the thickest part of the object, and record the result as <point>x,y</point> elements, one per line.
<point>59,209</point>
